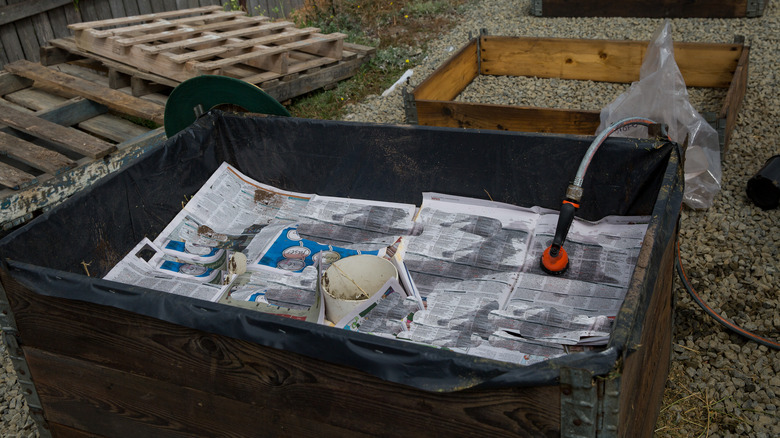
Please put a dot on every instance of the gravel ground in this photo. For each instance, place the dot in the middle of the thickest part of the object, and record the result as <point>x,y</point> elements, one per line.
<point>720,384</point>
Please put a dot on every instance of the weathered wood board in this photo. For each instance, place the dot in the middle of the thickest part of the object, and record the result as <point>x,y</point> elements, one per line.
<point>54,141</point>
<point>281,87</point>
<point>701,64</point>
<point>183,44</point>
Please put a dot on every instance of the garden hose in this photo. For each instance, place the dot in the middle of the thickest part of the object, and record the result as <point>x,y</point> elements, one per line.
<point>720,319</point>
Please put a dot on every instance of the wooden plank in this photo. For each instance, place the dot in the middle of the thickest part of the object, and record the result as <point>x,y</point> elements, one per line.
<point>123,405</point>
<point>316,43</point>
<point>18,11</point>
<point>14,178</point>
<point>702,64</point>
<point>71,139</point>
<point>645,369</point>
<point>118,8</point>
<point>645,8</point>
<point>72,111</point>
<point>144,6</point>
<point>34,99</point>
<point>43,29</point>
<point>73,15</point>
<point>27,37</point>
<point>170,5</point>
<point>735,96</point>
<point>131,8</point>
<point>160,25</point>
<point>503,117</point>
<point>183,32</point>
<point>123,21</point>
<point>70,45</point>
<point>112,127</point>
<point>113,99</point>
<point>59,21</point>
<point>117,343</point>
<point>61,431</point>
<point>88,11</point>
<point>117,79</point>
<point>10,83</point>
<point>305,83</point>
<point>452,77</point>
<point>231,47</point>
<point>33,155</point>
<point>250,27</point>
<point>52,190</point>
<point>103,10</point>
<point>12,47</point>
<point>51,55</point>
<point>142,87</point>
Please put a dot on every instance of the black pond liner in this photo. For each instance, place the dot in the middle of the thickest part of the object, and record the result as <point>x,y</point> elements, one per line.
<point>380,162</point>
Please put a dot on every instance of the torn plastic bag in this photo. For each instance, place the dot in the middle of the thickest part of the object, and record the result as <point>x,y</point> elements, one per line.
<point>660,95</point>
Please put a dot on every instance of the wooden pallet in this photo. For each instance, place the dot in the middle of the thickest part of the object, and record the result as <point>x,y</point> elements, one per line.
<point>179,45</point>
<point>279,86</point>
<point>60,133</point>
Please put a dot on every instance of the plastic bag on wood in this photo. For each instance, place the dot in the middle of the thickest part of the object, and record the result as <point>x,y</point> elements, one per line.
<point>660,95</point>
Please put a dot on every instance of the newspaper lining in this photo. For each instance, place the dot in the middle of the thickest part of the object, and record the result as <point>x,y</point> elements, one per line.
<point>469,274</point>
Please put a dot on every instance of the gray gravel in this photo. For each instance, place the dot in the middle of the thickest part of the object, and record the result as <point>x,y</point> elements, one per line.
<point>730,251</point>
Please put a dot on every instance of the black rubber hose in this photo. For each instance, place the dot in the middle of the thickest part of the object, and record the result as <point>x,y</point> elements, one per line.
<point>723,321</point>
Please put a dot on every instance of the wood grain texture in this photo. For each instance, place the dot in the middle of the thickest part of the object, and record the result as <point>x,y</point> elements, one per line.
<point>27,37</point>
<point>61,431</point>
<point>108,402</point>
<point>14,178</point>
<point>34,155</point>
<point>645,8</point>
<point>113,99</point>
<point>71,139</point>
<point>735,96</point>
<point>506,118</point>
<point>646,369</point>
<point>111,127</point>
<point>215,53</point>
<point>51,190</point>
<point>12,47</point>
<point>451,78</point>
<point>140,363</point>
<point>701,64</point>
<point>59,21</point>
<point>10,83</point>
<point>14,12</point>
<point>144,6</point>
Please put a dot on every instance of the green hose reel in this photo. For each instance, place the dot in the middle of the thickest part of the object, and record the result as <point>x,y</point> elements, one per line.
<point>198,95</point>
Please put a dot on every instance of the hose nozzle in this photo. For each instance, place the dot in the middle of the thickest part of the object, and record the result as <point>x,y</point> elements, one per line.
<point>555,261</point>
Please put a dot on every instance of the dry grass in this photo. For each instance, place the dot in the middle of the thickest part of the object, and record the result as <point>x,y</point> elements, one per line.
<point>687,412</point>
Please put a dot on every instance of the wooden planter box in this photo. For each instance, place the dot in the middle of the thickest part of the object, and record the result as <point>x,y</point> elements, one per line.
<point>98,358</point>
<point>650,9</point>
<point>432,102</point>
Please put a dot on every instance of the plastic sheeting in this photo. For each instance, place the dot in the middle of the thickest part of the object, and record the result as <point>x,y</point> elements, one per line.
<point>661,95</point>
<point>381,162</point>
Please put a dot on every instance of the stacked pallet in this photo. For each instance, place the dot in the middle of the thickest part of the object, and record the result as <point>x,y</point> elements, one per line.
<point>171,47</point>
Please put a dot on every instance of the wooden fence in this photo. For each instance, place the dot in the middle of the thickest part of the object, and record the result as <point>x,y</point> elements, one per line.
<point>26,25</point>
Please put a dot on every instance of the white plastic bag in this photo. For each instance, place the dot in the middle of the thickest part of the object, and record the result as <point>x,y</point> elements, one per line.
<point>660,95</point>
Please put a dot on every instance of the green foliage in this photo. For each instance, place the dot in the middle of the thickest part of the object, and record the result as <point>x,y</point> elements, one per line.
<point>232,5</point>
<point>428,7</point>
<point>397,29</point>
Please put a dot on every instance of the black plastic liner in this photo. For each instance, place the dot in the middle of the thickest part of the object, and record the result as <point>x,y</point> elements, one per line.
<point>100,225</point>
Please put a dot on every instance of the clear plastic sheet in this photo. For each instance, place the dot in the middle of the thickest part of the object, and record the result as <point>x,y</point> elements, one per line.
<point>660,94</point>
